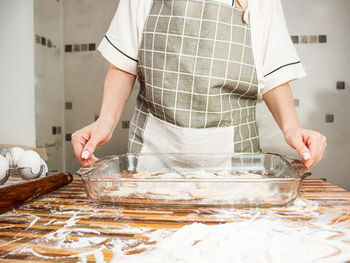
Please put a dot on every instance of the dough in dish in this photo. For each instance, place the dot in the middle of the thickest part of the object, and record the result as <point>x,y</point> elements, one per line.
<point>204,176</point>
<point>110,186</point>
<point>204,185</point>
<point>163,191</point>
<point>250,176</point>
<point>141,175</point>
<point>129,184</point>
<point>204,193</point>
<point>170,176</point>
<point>123,191</point>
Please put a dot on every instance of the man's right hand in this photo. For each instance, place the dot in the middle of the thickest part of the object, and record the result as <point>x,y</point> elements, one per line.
<point>86,140</point>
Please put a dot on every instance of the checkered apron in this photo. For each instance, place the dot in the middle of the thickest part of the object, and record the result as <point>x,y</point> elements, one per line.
<point>196,70</point>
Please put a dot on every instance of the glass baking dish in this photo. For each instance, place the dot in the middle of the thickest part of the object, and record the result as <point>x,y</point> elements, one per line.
<point>215,180</point>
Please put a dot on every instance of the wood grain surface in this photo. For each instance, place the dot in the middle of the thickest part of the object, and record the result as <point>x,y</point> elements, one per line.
<point>49,228</point>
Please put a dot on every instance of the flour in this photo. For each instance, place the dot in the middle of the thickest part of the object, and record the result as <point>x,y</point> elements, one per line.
<point>99,256</point>
<point>71,238</point>
<point>249,241</point>
<point>36,218</point>
<point>49,223</point>
<point>300,207</point>
<point>3,227</point>
<point>300,232</point>
<point>128,230</point>
<point>256,235</point>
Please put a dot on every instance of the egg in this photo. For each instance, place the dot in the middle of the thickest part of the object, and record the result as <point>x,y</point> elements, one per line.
<point>16,153</point>
<point>45,170</point>
<point>4,166</point>
<point>32,160</point>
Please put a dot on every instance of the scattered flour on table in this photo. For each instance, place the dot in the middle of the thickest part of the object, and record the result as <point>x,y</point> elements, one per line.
<point>300,207</point>
<point>36,219</point>
<point>249,241</point>
<point>256,235</point>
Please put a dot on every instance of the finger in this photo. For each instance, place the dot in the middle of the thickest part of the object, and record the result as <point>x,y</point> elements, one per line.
<point>309,162</point>
<point>299,145</point>
<point>315,146</point>
<point>89,161</point>
<point>90,146</point>
<point>78,141</point>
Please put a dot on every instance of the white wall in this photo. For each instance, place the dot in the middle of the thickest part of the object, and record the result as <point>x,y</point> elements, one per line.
<point>325,64</point>
<point>17,72</point>
<point>49,92</point>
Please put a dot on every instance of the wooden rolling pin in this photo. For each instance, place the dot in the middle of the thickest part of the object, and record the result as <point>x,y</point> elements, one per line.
<point>14,195</point>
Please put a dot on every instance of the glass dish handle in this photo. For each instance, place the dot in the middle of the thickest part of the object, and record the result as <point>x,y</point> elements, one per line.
<point>99,164</point>
<point>299,166</point>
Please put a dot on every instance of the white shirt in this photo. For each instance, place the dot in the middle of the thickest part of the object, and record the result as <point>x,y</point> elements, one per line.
<point>275,57</point>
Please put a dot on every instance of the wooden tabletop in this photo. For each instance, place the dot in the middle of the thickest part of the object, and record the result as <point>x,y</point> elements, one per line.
<point>65,226</point>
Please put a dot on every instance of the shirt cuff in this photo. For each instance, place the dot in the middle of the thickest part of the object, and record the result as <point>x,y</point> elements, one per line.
<point>117,57</point>
<point>281,75</point>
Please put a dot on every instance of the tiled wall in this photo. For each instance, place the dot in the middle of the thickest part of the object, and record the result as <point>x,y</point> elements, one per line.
<point>49,92</point>
<point>319,30</point>
<point>85,23</point>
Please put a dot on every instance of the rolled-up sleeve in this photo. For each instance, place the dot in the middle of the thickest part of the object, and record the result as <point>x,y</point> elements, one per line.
<point>121,43</point>
<point>276,59</point>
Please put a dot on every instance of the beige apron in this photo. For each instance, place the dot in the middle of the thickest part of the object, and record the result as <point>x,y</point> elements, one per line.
<point>198,84</point>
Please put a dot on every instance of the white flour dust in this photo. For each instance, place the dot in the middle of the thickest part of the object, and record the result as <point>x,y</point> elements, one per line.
<point>256,236</point>
<point>301,207</point>
<point>71,238</point>
<point>300,232</point>
<point>59,238</point>
<point>249,241</point>
<point>36,218</point>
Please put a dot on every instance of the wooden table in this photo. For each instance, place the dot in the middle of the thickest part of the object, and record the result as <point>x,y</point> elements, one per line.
<point>57,227</point>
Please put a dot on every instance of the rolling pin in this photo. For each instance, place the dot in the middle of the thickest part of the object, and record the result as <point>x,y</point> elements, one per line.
<point>14,195</point>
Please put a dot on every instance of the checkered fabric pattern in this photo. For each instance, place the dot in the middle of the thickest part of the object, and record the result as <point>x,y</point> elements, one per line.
<point>196,70</point>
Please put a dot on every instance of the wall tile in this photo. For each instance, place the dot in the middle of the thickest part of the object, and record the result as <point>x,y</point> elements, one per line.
<point>296,102</point>
<point>92,46</point>
<point>68,105</point>
<point>83,47</point>
<point>68,137</point>
<point>340,84</point>
<point>295,39</point>
<point>76,47</point>
<point>329,118</point>
<point>304,39</point>
<point>322,39</point>
<point>125,124</point>
<point>313,39</point>
<point>43,41</point>
<point>68,48</point>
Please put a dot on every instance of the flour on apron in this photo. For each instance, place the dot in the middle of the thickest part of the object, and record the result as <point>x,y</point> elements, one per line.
<point>196,70</point>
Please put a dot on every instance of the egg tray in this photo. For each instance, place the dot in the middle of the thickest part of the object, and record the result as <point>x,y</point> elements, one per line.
<point>25,173</point>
